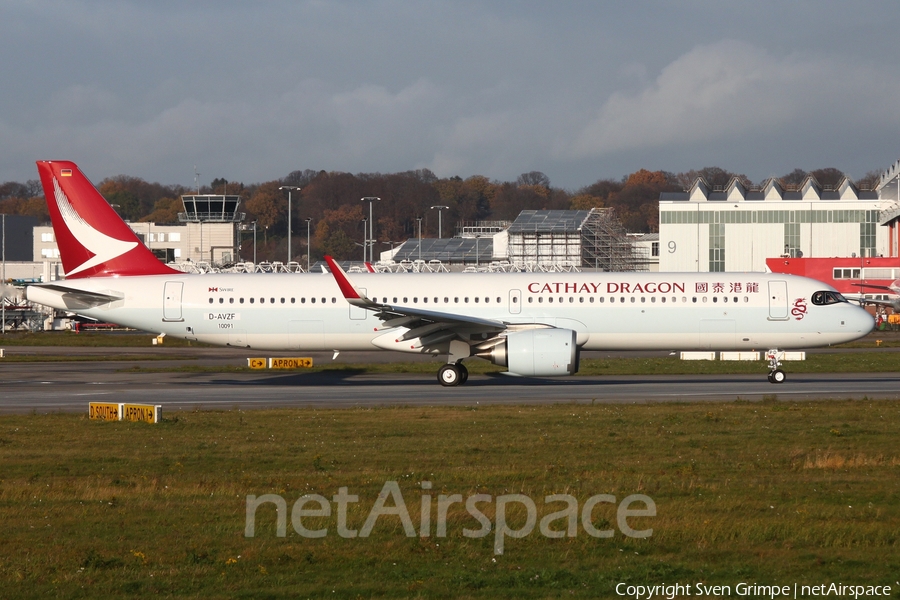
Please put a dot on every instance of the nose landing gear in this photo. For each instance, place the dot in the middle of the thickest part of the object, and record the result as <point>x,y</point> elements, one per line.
<point>776,375</point>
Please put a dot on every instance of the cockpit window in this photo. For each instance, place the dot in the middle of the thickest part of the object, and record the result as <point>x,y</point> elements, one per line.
<point>822,298</point>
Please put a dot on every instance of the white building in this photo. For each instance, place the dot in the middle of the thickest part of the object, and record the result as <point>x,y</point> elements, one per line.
<point>736,228</point>
<point>196,242</point>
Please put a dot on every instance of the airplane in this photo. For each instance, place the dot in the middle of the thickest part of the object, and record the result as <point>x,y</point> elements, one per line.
<point>534,324</point>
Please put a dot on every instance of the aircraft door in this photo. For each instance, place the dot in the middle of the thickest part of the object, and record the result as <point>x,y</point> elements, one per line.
<point>778,301</point>
<point>515,301</point>
<point>357,313</point>
<point>172,301</point>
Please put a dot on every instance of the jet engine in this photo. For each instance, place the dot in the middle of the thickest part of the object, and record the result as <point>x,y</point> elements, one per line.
<point>536,352</point>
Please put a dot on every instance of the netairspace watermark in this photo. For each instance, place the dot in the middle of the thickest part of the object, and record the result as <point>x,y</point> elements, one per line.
<point>752,590</point>
<point>565,520</point>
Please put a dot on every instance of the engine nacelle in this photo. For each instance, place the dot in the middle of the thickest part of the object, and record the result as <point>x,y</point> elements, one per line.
<point>536,353</point>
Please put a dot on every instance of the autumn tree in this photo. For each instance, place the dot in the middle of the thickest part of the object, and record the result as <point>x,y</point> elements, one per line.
<point>795,177</point>
<point>469,200</point>
<point>165,211</point>
<point>585,202</point>
<point>133,197</point>
<point>870,180</point>
<point>637,204</point>
<point>224,187</point>
<point>14,189</point>
<point>596,195</point>
<point>714,176</point>
<point>535,178</point>
<point>828,177</point>
<point>299,178</point>
<point>635,198</point>
<point>337,230</point>
<point>332,201</point>
<point>268,206</point>
<point>530,192</point>
<point>404,196</point>
<point>28,207</point>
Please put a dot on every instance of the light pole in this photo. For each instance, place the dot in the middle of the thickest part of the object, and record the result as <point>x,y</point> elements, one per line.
<point>370,241</point>
<point>254,245</point>
<point>365,237</point>
<point>419,219</point>
<point>289,188</point>
<point>476,250</point>
<point>308,246</point>
<point>440,209</point>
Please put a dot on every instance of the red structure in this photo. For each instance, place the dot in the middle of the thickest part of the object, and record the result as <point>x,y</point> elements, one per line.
<point>846,274</point>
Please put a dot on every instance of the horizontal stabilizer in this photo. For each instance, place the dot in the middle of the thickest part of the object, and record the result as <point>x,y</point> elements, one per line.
<point>62,297</point>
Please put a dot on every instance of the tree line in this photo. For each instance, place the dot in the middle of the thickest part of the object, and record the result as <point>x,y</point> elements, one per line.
<point>332,201</point>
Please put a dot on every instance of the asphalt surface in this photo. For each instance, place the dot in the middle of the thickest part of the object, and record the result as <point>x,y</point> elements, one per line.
<point>69,386</point>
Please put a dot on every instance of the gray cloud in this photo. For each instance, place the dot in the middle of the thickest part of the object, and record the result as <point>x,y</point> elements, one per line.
<point>579,90</point>
<point>726,90</point>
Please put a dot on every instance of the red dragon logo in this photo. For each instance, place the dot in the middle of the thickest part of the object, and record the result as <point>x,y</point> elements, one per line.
<point>800,308</point>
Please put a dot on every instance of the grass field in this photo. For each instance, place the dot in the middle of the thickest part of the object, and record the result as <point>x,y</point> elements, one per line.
<point>770,492</point>
<point>108,339</point>
<point>123,357</point>
<point>120,339</point>
<point>867,355</point>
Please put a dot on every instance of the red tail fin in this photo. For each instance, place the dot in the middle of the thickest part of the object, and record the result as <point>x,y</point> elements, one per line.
<point>93,240</point>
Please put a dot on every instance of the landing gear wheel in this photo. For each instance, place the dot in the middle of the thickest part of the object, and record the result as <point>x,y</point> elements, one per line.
<point>463,373</point>
<point>449,375</point>
<point>776,375</point>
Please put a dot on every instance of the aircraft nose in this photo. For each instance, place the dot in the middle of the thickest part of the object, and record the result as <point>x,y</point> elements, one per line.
<point>862,321</point>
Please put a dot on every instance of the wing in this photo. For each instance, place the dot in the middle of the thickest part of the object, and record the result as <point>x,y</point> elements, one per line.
<point>876,287</point>
<point>893,303</point>
<point>427,327</point>
<point>893,300</point>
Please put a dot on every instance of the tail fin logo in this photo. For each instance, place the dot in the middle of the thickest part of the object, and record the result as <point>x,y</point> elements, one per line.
<point>103,247</point>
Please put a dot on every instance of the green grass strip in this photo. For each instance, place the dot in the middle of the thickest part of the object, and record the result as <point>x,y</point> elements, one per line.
<point>769,492</point>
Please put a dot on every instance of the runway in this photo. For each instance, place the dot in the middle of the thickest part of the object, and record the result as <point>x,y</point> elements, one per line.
<point>69,386</point>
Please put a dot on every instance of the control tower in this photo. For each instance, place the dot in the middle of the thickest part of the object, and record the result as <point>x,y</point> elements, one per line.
<point>212,221</point>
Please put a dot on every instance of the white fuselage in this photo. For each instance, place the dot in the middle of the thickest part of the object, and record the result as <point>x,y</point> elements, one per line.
<point>609,311</point>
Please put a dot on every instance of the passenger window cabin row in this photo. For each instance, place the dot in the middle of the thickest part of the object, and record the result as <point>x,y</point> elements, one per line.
<point>263,300</point>
<point>499,300</point>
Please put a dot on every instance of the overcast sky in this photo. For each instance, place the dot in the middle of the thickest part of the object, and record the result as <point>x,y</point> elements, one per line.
<point>251,91</point>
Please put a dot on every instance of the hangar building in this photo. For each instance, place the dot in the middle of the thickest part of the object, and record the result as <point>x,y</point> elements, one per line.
<point>736,228</point>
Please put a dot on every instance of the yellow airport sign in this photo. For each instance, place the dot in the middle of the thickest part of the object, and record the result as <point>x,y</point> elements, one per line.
<point>148,413</point>
<point>256,363</point>
<point>291,363</point>
<point>105,411</point>
<point>112,411</point>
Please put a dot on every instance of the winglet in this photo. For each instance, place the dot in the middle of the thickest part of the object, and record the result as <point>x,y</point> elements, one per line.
<point>352,294</point>
<point>369,267</point>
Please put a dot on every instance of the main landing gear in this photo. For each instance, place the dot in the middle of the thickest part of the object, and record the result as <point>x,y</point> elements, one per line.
<point>776,375</point>
<point>453,374</point>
